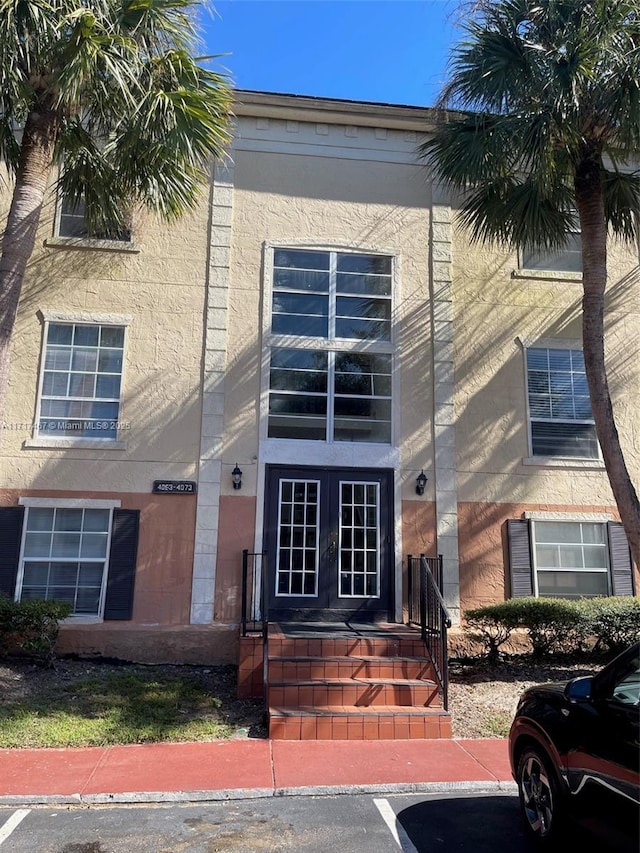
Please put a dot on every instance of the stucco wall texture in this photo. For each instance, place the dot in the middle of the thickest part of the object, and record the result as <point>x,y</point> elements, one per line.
<point>161,288</point>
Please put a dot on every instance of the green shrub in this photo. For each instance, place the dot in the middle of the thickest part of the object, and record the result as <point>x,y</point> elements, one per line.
<point>31,626</point>
<point>613,622</point>
<point>557,625</point>
<point>493,625</point>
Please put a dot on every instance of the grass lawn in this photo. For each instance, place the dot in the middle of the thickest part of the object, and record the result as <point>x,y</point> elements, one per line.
<point>119,705</point>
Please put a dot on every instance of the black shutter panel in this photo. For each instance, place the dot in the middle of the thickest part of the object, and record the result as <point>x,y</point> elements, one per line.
<point>122,564</point>
<point>520,557</point>
<point>11,519</point>
<point>620,558</point>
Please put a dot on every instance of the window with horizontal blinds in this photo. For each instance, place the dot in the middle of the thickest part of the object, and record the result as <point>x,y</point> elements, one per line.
<point>568,558</point>
<point>560,418</point>
<point>84,555</point>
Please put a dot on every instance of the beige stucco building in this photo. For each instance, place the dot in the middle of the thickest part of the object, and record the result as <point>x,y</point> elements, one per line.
<point>322,324</point>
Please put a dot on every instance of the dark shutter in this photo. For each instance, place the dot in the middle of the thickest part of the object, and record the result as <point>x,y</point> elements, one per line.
<point>520,557</point>
<point>122,564</point>
<point>11,519</point>
<point>620,558</point>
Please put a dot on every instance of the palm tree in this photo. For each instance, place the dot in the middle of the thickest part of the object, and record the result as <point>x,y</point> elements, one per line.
<point>112,90</point>
<point>545,99</point>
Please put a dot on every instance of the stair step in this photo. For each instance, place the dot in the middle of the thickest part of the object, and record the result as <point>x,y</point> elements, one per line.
<point>367,666</point>
<point>383,722</point>
<point>394,647</point>
<point>361,692</point>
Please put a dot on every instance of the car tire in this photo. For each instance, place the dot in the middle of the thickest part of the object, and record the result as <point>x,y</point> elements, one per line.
<point>541,801</point>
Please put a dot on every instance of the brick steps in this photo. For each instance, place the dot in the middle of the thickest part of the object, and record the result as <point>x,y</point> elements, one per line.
<point>352,688</point>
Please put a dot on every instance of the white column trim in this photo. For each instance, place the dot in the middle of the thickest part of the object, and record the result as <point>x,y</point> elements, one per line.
<point>212,422</point>
<point>444,429</point>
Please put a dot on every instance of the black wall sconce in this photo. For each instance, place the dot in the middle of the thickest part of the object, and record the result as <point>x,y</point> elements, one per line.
<point>421,482</point>
<point>236,476</point>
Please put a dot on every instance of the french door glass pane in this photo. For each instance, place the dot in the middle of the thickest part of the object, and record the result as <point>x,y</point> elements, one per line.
<point>298,538</point>
<point>358,569</point>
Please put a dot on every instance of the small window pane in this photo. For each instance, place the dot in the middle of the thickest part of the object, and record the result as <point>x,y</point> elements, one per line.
<point>40,518</point>
<point>86,336</point>
<point>68,519</point>
<point>65,545</point>
<point>374,264</point>
<point>112,336</point>
<point>310,327</point>
<point>37,545</point>
<point>58,358</point>
<point>306,280</point>
<point>108,386</point>
<point>302,259</point>
<point>110,361</point>
<point>94,545</point>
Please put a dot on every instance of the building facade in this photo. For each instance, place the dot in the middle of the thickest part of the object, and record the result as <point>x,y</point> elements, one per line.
<point>323,326</point>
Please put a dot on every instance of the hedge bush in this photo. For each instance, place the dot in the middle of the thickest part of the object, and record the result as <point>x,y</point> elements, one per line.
<point>31,627</point>
<point>557,625</point>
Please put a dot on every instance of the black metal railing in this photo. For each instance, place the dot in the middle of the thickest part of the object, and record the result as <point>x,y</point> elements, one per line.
<point>253,593</point>
<point>428,610</point>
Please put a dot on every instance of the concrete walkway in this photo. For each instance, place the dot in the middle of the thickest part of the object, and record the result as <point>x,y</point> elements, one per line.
<point>238,769</point>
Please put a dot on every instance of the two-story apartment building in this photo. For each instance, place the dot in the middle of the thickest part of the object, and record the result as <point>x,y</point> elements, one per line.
<point>276,371</point>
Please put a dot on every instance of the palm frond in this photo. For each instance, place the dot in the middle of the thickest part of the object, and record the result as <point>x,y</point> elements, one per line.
<point>622,203</point>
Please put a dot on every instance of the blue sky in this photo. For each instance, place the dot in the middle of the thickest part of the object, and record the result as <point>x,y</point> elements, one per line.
<point>392,51</point>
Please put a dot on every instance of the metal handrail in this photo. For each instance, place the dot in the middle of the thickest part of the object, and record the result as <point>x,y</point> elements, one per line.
<point>253,601</point>
<point>427,609</point>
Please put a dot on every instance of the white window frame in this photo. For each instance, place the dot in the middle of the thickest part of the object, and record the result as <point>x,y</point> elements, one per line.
<point>87,319</point>
<point>556,459</point>
<point>69,503</point>
<point>330,344</point>
<point>601,520</point>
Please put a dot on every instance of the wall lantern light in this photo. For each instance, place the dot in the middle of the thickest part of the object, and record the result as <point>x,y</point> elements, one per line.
<point>421,482</point>
<point>236,476</point>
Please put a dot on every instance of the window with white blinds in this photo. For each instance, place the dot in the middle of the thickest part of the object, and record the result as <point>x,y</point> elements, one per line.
<point>560,419</point>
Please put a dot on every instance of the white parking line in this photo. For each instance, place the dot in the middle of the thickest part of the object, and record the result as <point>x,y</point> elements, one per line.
<point>397,830</point>
<point>7,828</point>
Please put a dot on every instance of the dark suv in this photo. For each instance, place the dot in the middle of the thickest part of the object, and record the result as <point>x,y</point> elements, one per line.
<point>574,747</point>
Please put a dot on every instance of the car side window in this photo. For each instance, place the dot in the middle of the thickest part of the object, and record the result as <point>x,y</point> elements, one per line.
<point>627,688</point>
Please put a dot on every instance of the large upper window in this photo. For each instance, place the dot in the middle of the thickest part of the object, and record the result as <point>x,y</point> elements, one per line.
<point>333,382</point>
<point>64,557</point>
<point>560,416</point>
<point>571,559</point>
<point>81,376</point>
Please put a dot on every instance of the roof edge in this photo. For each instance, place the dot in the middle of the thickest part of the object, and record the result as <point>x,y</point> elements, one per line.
<point>333,111</point>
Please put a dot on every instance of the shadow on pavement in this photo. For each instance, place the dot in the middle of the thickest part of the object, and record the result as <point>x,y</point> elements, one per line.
<point>490,823</point>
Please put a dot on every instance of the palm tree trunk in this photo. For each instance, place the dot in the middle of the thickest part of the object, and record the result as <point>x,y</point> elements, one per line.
<point>590,203</point>
<point>36,158</point>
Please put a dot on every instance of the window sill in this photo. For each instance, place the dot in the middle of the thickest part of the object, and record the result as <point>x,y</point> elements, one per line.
<point>75,444</point>
<point>547,275</point>
<point>71,621</point>
<point>564,462</point>
<point>87,244</point>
